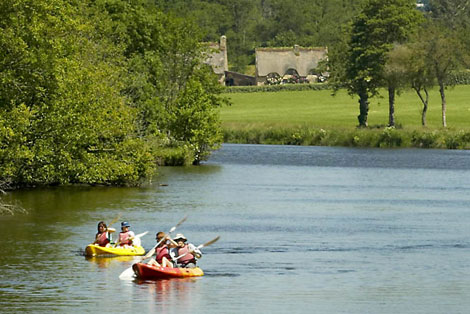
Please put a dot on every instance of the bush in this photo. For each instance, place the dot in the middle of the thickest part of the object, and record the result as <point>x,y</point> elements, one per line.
<point>459,78</point>
<point>424,140</point>
<point>389,138</point>
<point>372,137</point>
<point>276,88</point>
<point>174,156</point>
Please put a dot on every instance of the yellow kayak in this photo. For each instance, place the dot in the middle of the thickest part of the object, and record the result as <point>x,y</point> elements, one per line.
<point>96,250</point>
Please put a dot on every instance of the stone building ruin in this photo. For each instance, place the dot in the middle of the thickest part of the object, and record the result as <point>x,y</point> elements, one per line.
<point>271,63</point>
<point>286,62</point>
<point>217,58</point>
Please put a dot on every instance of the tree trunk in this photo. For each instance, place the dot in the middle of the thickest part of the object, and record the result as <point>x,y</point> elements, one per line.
<point>444,104</point>
<point>425,102</point>
<point>391,106</point>
<point>363,108</point>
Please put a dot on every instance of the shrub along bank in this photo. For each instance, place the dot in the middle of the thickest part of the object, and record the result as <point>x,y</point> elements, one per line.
<point>381,138</point>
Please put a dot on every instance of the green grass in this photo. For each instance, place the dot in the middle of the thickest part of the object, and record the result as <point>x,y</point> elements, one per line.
<point>318,109</point>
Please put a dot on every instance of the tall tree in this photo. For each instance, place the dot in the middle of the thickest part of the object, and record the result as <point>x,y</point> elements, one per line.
<point>373,33</point>
<point>418,74</point>
<point>394,74</point>
<point>444,54</point>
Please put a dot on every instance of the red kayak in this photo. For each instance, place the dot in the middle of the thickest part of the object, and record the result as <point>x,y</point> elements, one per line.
<point>145,271</point>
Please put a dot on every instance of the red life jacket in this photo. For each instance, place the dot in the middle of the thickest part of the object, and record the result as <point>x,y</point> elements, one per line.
<point>186,259</point>
<point>103,239</point>
<point>124,239</point>
<point>161,253</point>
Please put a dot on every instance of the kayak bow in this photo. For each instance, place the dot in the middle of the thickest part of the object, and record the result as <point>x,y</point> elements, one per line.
<point>96,250</point>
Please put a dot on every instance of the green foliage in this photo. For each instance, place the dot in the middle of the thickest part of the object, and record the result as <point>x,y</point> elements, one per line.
<point>375,138</point>
<point>175,156</point>
<point>196,120</point>
<point>276,88</point>
<point>174,93</point>
<point>360,66</point>
<point>389,138</point>
<point>91,91</point>
<point>47,138</point>
<point>459,78</point>
<point>258,23</point>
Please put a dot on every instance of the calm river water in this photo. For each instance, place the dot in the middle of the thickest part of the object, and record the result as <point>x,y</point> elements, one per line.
<point>303,229</point>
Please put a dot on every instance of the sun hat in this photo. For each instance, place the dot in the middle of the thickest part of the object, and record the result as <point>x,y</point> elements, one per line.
<point>179,236</point>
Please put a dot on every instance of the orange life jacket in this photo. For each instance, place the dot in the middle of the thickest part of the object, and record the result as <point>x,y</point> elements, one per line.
<point>187,258</point>
<point>161,253</point>
<point>103,239</point>
<point>124,239</point>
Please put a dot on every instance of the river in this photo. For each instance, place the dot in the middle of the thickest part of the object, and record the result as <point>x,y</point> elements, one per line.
<point>303,229</point>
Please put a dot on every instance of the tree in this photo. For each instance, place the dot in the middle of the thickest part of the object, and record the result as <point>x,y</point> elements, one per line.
<point>394,74</point>
<point>259,23</point>
<point>194,121</point>
<point>453,13</point>
<point>165,61</point>
<point>373,33</point>
<point>62,116</point>
<point>418,74</point>
<point>444,54</point>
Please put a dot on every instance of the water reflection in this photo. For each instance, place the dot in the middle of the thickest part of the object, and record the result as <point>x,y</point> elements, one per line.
<point>177,295</point>
<point>105,262</point>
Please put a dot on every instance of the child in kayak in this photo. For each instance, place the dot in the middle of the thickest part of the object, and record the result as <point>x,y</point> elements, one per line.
<point>162,251</point>
<point>185,254</point>
<point>103,236</point>
<point>126,236</point>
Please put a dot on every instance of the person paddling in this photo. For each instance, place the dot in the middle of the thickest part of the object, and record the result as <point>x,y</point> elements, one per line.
<point>126,236</point>
<point>185,254</point>
<point>162,257</point>
<point>103,236</point>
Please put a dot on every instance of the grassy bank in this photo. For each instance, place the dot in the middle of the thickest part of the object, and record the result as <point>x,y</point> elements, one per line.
<point>316,118</point>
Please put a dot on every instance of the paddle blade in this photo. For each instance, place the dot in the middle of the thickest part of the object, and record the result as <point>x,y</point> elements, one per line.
<point>178,224</point>
<point>116,219</point>
<point>150,253</point>
<point>127,274</point>
<point>141,234</point>
<point>209,243</point>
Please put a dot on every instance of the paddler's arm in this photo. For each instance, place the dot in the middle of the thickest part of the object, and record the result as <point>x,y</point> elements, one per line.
<point>110,236</point>
<point>172,242</point>
<point>194,251</point>
<point>131,235</point>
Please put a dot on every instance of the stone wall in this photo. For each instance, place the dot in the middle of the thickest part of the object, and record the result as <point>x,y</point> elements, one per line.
<point>238,79</point>
<point>217,58</point>
<point>281,60</point>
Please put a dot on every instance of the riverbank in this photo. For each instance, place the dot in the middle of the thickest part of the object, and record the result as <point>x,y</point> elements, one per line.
<point>379,137</point>
<point>315,117</point>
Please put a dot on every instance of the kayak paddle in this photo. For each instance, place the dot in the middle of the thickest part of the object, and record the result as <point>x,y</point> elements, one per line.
<point>115,220</point>
<point>200,246</point>
<point>129,273</point>
<point>152,251</point>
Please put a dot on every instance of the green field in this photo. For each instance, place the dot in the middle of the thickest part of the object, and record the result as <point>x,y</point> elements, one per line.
<point>318,109</point>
